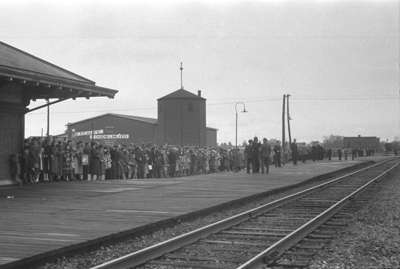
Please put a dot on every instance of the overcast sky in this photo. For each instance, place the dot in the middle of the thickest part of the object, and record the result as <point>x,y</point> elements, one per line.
<point>337,59</point>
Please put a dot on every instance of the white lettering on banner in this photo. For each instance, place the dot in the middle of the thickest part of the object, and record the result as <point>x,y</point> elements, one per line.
<point>83,133</point>
<point>111,136</point>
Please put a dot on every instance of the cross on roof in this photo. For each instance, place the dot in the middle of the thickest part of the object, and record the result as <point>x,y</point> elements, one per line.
<point>181,68</point>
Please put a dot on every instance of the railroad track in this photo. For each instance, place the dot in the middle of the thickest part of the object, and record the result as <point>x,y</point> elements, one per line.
<point>278,234</point>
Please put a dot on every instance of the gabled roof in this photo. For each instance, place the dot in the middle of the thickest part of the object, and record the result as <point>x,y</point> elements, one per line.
<point>18,59</point>
<point>181,94</point>
<point>129,117</point>
<point>18,64</point>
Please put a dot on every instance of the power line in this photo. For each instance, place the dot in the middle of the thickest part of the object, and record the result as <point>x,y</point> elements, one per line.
<point>258,100</point>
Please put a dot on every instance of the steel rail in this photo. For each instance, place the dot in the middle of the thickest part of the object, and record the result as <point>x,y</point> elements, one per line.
<point>277,249</point>
<point>154,251</point>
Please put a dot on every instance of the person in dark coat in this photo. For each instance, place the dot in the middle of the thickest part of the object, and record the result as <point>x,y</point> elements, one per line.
<point>172,157</point>
<point>295,153</point>
<point>115,162</point>
<point>248,156</point>
<point>314,153</point>
<point>255,152</point>
<point>53,161</point>
<point>329,154</point>
<point>27,166</point>
<point>122,162</point>
<point>158,163</point>
<point>277,155</point>
<point>141,162</point>
<point>265,156</point>
<point>34,155</point>
<point>339,153</point>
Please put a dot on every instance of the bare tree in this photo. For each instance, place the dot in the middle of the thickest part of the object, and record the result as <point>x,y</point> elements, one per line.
<point>333,141</point>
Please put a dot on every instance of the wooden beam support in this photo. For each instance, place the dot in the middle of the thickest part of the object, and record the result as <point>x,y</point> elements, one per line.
<point>45,105</point>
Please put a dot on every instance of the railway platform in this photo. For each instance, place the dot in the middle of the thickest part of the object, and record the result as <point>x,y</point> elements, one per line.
<point>43,217</point>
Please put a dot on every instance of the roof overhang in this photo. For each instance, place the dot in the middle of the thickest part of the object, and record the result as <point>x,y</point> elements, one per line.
<point>45,86</point>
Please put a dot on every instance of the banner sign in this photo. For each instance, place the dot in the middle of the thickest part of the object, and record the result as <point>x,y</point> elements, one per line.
<point>83,133</point>
<point>111,136</point>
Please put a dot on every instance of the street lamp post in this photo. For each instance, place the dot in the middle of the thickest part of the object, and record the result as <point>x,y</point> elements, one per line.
<point>243,111</point>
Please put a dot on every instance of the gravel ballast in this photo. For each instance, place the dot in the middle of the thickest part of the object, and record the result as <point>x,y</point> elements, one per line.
<point>372,240</point>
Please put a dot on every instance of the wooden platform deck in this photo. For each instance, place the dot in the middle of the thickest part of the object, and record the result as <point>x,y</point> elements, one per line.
<point>42,217</point>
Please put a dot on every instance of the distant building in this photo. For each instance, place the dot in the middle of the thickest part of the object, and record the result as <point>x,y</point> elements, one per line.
<point>211,137</point>
<point>110,128</point>
<point>181,121</point>
<point>367,143</point>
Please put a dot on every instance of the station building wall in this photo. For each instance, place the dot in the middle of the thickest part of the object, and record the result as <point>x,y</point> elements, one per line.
<point>12,122</point>
<point>138,131</point>
<point>182,122</point>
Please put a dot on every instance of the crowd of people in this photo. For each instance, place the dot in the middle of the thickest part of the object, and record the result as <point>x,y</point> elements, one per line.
<point>260,155</point>
<point>48,159</point>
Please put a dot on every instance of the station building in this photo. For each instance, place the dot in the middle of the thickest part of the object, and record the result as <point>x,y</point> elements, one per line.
<point>181,121</point>
<point>24,77</point>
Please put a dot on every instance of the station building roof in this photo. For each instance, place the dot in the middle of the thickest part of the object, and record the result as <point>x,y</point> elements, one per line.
<point>181,94</point>
<point>43,79</point>
<point>129,117</point>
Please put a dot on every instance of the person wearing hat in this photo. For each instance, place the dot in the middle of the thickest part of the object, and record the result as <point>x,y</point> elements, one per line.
<point>277,154</point>
<point>255,151</point>
<point>265,156</point>
<point>248,156</point>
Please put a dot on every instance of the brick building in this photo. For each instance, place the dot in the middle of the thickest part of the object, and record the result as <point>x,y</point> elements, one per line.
<point>367,143</point>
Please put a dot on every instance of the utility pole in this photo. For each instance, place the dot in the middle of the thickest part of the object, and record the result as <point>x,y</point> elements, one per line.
<point>48,118</point>
<point>398,65</point>
<point>283,124</point>
<point>236,113</point>
<point>236,129</point>
<point>288,119</point>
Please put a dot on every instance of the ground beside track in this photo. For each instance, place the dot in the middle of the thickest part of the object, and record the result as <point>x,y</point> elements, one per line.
<point>372,240</point>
